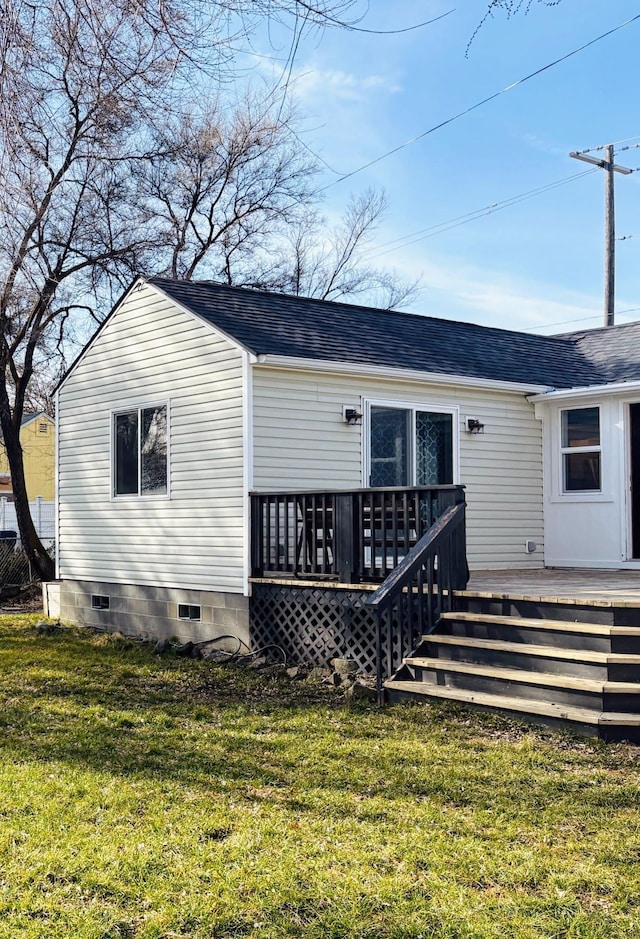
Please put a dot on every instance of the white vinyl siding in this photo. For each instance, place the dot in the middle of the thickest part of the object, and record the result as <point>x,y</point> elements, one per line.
<point>302,442</point>
<point>150,351</point>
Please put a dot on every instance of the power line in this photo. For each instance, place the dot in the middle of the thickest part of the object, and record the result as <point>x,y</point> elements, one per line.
<point>424,233</point>
<point>581,319</point>
<point>310,150</point>
<point>350,27</point>
<point>479,104</point>
<point>616,143</point>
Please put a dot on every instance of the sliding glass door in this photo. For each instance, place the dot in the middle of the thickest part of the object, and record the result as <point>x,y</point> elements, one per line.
<point>410,447</point>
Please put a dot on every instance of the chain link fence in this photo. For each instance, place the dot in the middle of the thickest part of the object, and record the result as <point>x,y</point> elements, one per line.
<point>15,569</point>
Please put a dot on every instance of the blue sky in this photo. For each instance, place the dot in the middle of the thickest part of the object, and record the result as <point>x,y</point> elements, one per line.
<point>539,263</point>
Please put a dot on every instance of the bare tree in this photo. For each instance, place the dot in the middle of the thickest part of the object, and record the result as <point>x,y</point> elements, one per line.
<point>233,200</point>
<point>509,8</point>
<point>82,82</point>
<point>512,7</point>
<point>112,162</point>
<point>331,263</point>
<point>220,188</point>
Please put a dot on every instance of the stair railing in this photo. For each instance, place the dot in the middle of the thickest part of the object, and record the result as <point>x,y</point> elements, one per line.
<point>411,600</point>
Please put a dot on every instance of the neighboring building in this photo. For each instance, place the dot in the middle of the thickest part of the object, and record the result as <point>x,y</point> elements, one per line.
<point>191,395</point>
<point>38,441</point>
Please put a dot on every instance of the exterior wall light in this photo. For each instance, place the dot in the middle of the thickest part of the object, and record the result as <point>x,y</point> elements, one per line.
<point>474,426</point>
<point>351,415</point>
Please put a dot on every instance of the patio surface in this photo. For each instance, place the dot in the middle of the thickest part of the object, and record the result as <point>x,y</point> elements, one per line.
<point>597,586</point>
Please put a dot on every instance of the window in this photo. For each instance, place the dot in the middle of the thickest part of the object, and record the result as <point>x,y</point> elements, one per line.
<point>580,450</point>
<point>410,447</point>
<point>140,452</point>
<point>189,611</point>
<point>99,602</point>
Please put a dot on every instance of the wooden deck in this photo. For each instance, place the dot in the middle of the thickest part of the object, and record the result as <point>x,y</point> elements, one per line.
<point>589,587</point>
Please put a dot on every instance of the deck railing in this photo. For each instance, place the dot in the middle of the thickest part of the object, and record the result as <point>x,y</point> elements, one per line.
<point>410,602</point>
<point>351,536</point>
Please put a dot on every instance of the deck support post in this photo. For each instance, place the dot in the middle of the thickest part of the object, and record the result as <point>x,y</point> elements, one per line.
<point>257,528</point>
<point>344,537</point>
<point>459,564</point>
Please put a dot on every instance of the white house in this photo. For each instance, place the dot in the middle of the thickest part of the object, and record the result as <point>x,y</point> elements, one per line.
<point>193,395</point>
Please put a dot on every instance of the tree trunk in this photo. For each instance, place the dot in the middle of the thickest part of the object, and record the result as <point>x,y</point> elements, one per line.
<point>33,547</point>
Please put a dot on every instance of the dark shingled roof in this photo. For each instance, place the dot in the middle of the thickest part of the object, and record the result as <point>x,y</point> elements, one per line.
<point>614,351</point>
<point>278,324</point>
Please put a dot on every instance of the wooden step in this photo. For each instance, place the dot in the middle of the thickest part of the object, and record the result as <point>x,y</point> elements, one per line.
<point>609,612</point>
<point>603,602</point>
<point>607,724</point>
<point>554,625</point>
<point>596,686</point>
<point>526,682</point>
<point>502,645</point>
<point>532,656</point>
<point>522,705</point>
<point>620,720</point>
<point>553,632</point>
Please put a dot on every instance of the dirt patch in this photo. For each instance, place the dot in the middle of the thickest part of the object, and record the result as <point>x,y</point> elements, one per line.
<point>25,600</point>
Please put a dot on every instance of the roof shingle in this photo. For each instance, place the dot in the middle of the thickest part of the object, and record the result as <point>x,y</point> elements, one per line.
<point>278,324</point>
<point>614,351</point>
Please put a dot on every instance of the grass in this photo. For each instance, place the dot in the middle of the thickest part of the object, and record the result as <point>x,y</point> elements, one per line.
<point>146,798</point>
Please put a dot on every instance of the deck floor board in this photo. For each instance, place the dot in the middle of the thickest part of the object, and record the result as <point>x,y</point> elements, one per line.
<point>595,586</point>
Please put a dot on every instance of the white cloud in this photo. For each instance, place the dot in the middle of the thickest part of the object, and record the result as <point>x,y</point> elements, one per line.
<point>308,83</point>
<point>537,143</point>
<point>456,290</point>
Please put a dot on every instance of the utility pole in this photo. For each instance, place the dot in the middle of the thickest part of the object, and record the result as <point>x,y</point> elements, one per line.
<point>610,168</point>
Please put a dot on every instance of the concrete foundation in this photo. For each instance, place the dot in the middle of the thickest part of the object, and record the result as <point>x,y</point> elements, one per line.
<point>51,599</point>
<point>149,612</point>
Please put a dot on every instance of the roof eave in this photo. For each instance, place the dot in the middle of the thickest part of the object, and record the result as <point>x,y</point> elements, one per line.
<point>39,415</point>
<point>299,363</point>
<point>588,391</point>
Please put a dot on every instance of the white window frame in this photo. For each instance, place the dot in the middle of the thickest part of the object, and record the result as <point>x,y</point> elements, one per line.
<point>557,451</point>
<point>554,453</point>
<point>575,451</point>
<point>412,406</point>
<point>126,409</point>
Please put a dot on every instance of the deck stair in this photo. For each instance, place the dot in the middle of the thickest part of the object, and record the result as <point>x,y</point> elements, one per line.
<point>551,662</point>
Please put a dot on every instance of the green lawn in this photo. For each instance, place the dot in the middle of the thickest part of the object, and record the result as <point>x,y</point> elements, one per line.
<point>146,797</point>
